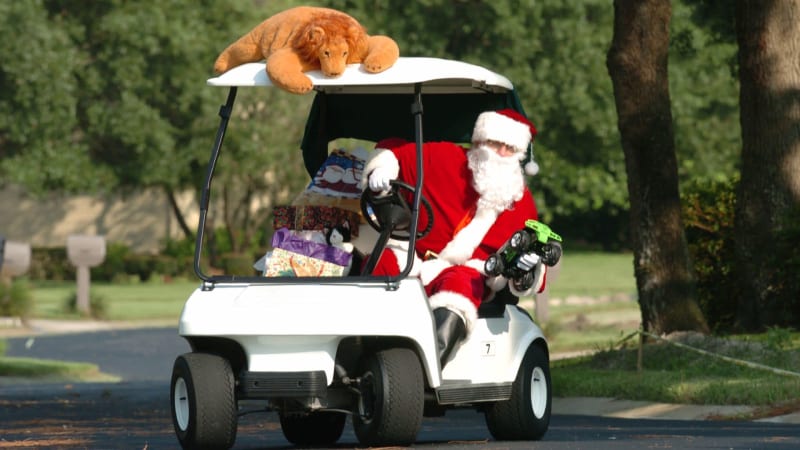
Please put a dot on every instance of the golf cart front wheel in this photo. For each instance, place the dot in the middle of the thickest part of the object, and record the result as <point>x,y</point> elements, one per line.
<point>203,401</point>
<point>391,399</point>
<point>526,415</point>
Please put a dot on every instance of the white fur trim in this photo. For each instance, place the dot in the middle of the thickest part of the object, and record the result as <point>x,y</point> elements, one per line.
<point>456,303</point>
<point>400,251</point>
<point>492,126</point>
<point>477,264</point>
<point>431,269</point>
<point>464,243</point>
<point>382,158</point>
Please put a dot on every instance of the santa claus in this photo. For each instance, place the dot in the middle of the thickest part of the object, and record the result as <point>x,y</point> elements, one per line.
<point>479,199</point>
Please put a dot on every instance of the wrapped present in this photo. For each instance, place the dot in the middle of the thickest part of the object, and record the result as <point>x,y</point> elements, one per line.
<point>337,182</point>
<point>296,257</point>
<point>340,175</point>
<point>314,218</point>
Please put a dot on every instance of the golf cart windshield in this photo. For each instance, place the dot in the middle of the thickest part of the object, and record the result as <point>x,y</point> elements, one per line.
<point>438,96</point>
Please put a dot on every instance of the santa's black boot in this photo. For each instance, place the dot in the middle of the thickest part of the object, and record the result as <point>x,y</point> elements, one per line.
<point>450,330</point>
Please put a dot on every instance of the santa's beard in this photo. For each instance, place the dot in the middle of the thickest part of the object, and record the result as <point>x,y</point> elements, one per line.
<point>497,179</point>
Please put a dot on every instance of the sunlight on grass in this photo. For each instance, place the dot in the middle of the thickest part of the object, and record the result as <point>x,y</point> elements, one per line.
<point>592,274</point>
<point>52,370</point>
<point>136,301</point>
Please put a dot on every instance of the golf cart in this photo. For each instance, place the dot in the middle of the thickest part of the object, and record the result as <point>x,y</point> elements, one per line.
<point>317,349</point>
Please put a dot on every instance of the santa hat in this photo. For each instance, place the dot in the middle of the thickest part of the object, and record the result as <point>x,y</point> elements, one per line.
<point>510,128</point>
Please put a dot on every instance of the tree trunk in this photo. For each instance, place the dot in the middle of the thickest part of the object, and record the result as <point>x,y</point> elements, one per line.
<point>768,34</point>
<point>637,64</point>
<point>176,211</point>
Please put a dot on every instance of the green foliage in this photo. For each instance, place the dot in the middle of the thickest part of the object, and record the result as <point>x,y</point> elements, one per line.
<point>237,264</point>
<point>778,338</point>
<point>50,264</point>
<point>119,265</point>
<point>16,298</point>
<point>114,263</point>
<point>40,146</point>
<point>782,308</point>
<point>704,90</point>
<point>126,103</point>
<point>708,215</point>
<point>97,305</point>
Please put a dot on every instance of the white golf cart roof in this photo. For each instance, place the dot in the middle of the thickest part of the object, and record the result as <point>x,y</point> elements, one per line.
<point>441,76</point>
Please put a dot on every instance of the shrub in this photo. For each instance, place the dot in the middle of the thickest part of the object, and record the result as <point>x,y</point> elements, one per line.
<point>708,215</point>
<point>97,305</point>
<point>114,263</point>
<point>16,298</point>
<point>237,264</point>
<point>782,307</point>
<point>50,264</point>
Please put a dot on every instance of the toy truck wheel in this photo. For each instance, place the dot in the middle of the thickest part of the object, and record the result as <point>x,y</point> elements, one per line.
<point>526,415</point>
<point>553,253</point>
<point>203,401</point>
<point>524,282</point>
<point>392,399</point>
<point>519,240</point>
<point>493,266</point>
<point>316,428</point>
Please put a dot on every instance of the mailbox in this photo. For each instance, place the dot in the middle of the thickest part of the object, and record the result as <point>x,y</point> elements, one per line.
<point>15,258</point>
<point>86,251</point>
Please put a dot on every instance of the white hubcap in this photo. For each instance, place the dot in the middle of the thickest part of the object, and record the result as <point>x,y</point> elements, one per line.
<point>181,404</point>
<point>538,392</point>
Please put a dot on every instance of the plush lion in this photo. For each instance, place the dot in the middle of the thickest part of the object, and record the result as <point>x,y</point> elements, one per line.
<point>309,38</point>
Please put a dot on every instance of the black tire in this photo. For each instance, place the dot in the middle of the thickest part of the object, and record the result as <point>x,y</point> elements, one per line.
<point>203,401</point>
<point>392,399</point>
<point>553,253</point>
<point>520,240</point>
<point>315,428</point>
<point>526,415</point>
<point>524,282</point>
<point>494,265</point>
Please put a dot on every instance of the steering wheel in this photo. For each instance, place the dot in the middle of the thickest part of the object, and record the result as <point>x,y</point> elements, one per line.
<point>392,211</point>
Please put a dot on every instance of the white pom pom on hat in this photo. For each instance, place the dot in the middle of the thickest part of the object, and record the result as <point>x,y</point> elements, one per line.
<point>511,128</point>
<point>531,168</point>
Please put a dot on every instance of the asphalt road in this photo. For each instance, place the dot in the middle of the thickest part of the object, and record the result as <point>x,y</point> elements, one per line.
<point>134,414</point>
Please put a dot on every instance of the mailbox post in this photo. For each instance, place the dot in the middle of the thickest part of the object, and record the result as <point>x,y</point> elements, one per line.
<point>84,252</point>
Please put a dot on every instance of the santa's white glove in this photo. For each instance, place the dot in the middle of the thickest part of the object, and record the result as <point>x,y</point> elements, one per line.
<point>431,269</point>
<point>380,179</point>
<point>528,261</point>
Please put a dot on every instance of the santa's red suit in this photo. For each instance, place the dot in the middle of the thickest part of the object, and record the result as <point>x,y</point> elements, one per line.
<point>463,234</point>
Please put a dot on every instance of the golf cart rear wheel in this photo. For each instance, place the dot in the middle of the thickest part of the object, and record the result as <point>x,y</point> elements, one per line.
<point>392,399</point>
<point>315,428</point>
<point>203,401</point>
<point>526,415</point>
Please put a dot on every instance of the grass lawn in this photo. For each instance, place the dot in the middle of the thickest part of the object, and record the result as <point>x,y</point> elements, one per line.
<point>128,302</point>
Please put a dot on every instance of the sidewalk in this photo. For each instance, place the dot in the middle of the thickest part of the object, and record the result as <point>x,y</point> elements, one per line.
<point>630,409</point>
<point>13,327</point>
<point>587,406</point>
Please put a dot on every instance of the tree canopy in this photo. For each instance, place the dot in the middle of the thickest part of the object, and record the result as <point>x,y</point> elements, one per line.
<point>111,95</point>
